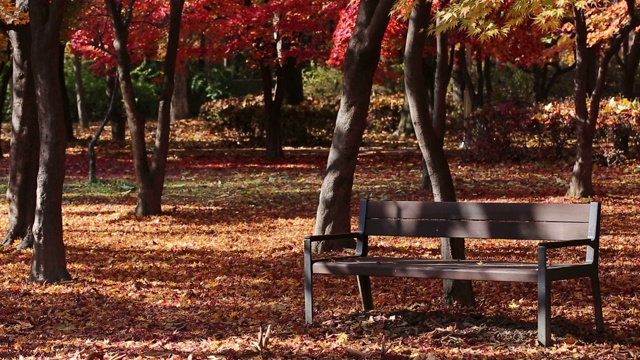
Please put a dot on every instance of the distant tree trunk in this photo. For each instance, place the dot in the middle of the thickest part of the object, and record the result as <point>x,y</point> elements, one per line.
<point>80,95</point>
<point>293,87</point>
<point>117,121</point>
<point>542,83</point>
<point>25,142</point>
<point>581,185</point>
<point>180,100</point>
<point>361,61</point>
<point>149,180</point>
<point>429,131</point>
<point>488,79</point>
<point>5,76</point>
<point>49,259</point>
<point>66,109</point>
<point>273,111</point>
<point>630,61</point>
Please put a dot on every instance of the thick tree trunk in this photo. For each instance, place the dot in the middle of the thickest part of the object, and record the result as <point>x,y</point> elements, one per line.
<point>149,179</point>
<point>430,141</point>
<point>117,121</point>
<point>49,259</point>
<point>180,100</point>
<point>273,112</point>
<point>25,141</point>
<point>361,60</point>
<point>581,184</point>
<point>80,95</point>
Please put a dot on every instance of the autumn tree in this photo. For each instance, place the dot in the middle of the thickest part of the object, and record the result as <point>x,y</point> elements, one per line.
<point>588,105</point>
<point>360,63</point>
<point>149,178</point>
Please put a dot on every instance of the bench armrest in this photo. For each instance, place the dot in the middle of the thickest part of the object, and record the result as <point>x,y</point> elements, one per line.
<point>566,243</point>
<point>361,242</point>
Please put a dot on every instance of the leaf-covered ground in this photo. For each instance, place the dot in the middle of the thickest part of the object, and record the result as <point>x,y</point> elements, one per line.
<point>225,261</point>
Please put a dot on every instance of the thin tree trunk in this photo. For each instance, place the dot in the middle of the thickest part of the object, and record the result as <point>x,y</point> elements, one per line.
<point>361,60</point>
<point>80,95</point>
<point>49,257</point>
<point>431,143</point>
<point>630,64</point>
<point>117,121</point>
<point>273,112</point>
<point>5,77</point>
<point>66,109</point>
<point>25,143</point>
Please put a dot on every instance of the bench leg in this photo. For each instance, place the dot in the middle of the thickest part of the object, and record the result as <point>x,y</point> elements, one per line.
<point>597,302</point>
<point>364,285</point>
<point>544,310</point>
<point>308,283</point>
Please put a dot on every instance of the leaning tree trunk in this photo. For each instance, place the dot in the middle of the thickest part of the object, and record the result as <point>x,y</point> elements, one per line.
<point>581,184</point>
<point>49,259</point>
<point>361,60</point>
<point>430,141</point>
<point>149,179</point>
<point>24,150</point>
<point>80,94</point>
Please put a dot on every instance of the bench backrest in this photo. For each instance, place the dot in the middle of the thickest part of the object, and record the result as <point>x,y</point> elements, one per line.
<point>480,220</point>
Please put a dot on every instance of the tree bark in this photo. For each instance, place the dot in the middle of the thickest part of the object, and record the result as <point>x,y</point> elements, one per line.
<point>149,179</point>
<point>581,184</point>
<point>24,148</point>
<point>430,132</point>
<point>49,258</point>
<point>294,90</point>
<point>361,60</point>
<point>80,95</point>
<point>180,100</point>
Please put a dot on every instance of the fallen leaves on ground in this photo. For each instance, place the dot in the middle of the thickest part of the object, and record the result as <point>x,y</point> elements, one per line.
<point>223,264</point>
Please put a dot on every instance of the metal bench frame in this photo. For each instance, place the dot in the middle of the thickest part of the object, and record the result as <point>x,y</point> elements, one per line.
<point>553,225</point>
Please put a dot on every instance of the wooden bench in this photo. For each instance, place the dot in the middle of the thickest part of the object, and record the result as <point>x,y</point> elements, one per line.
<point>554,225</point>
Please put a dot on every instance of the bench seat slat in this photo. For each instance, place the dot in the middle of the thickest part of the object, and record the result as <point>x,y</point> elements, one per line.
<point>476,229</point>
<point>436,269</point>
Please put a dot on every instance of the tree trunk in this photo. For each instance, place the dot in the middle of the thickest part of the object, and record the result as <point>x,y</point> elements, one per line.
<point>273,112</point>
<point>631,56</point>
<point>24,149</point>
<point>149,179</point>
<point>117,121</point>
<point>581,184</point>
<point>361,60</point>
<point>66,110</point>
<point>49,259</point>
<point>80,95</point>
<point>180,100</point>
<point>430,141</point>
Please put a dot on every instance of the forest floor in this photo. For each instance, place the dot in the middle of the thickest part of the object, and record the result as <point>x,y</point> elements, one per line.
<point>225,261</point>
